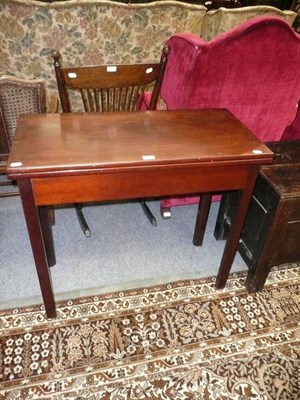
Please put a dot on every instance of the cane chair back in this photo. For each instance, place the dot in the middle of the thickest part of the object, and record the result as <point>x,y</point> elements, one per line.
<point>17,96</point>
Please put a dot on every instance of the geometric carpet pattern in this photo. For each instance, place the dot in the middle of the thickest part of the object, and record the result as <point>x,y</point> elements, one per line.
<point>182,340</point>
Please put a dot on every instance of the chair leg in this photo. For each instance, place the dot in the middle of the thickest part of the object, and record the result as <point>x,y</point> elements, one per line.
<point>8,194</point>
<point>148,213</point>
<point>165,212</point>
<point>52,215</point>
<point>84,226</point>
<point>46,225</point>
<point>202,216</point>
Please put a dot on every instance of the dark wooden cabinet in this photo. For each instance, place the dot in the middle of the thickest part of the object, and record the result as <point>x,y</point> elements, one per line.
<point>271,231</point>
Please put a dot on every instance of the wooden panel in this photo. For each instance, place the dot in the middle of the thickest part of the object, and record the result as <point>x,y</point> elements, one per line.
<point>271,231</point>
<point>159,182</point>
<point>285,152</point>
<point>289,246</point>
<point>284,178</point>
<point>258,222</point>
<point>294,212</point>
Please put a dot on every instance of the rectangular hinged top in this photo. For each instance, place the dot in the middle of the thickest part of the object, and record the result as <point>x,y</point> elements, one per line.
<point>50,144</point>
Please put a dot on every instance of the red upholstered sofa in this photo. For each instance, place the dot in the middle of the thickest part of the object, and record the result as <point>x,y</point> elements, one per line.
<point>252,70</point>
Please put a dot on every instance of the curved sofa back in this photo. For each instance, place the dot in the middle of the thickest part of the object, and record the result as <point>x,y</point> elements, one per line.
<point>252,70</point>
<point>223,19</point>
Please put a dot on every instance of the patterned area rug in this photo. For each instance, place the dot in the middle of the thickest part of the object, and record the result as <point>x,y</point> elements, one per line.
<point>182,340</point>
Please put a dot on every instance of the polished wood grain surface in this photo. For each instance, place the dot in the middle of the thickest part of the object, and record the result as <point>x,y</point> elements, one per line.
<point>55,142</point>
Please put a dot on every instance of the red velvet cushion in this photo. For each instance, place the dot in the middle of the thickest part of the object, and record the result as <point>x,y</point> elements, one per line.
<point>252,70</point>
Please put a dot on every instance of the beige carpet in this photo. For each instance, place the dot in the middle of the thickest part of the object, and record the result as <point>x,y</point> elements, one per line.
<point>183,340</point>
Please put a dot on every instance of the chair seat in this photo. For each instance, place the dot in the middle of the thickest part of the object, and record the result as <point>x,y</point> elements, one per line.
<point>167,204</point>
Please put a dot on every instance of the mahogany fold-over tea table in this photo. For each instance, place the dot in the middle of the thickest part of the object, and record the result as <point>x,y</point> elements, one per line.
<point>85,157</point>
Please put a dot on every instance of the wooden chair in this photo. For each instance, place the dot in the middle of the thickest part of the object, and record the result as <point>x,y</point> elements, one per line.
<point>109,88</point>
<point>17,96</point>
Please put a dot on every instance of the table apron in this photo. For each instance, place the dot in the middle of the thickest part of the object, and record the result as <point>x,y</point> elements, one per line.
<point>138,184</point>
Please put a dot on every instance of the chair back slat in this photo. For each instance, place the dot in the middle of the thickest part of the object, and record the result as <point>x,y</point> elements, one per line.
<point>109,88</point>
